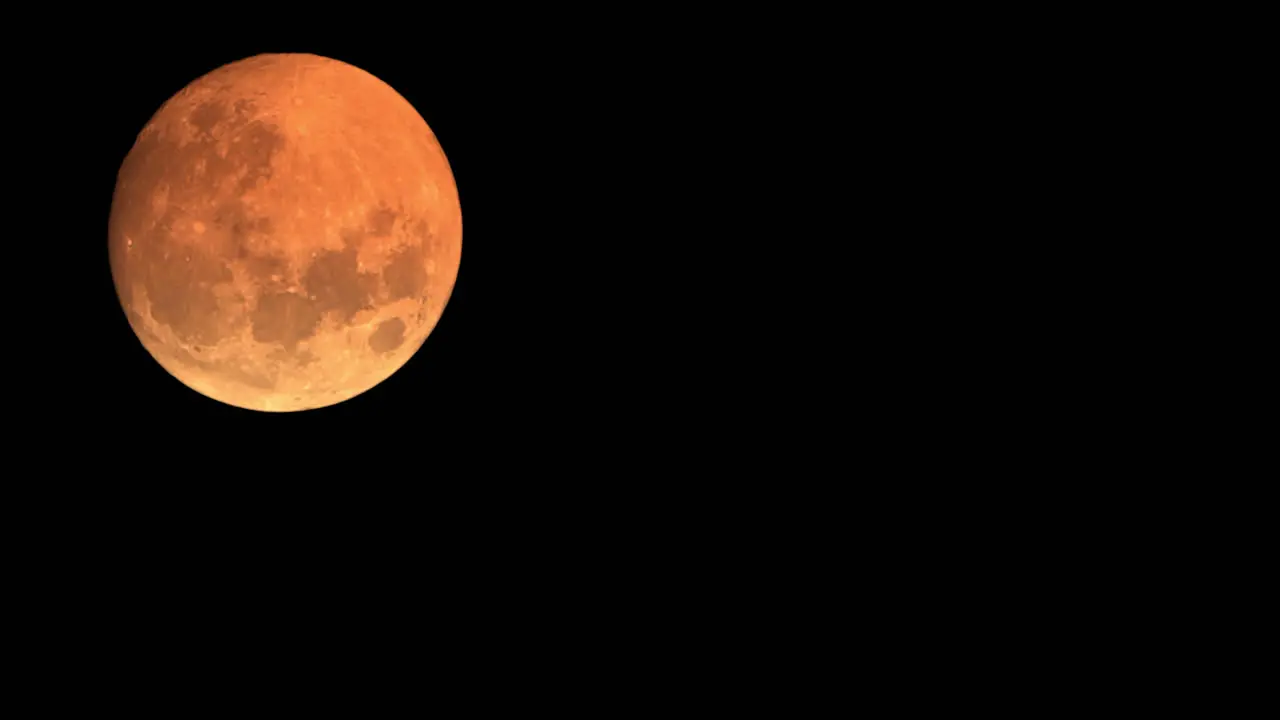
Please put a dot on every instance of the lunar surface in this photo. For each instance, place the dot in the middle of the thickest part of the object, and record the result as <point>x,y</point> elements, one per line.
<point>285,233</point>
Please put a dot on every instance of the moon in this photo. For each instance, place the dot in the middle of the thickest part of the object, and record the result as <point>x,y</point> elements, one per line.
<point>284,233</point>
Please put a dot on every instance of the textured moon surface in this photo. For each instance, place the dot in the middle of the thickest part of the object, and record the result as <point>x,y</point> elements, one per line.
<point>284,233</point>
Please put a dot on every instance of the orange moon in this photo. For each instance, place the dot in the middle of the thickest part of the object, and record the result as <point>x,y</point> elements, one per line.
<point>284,233</point>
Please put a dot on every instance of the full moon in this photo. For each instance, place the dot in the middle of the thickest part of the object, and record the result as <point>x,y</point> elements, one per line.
<point>284,233</point>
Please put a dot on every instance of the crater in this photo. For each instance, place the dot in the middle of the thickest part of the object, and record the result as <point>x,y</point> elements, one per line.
<point>237,228</point>
<point>181,292</point>
<point>388,336</point>
<point>406,274</point>
<point>352,238</point>
<point>206,116</point>
<point>222,369</point>
<point>301,358</point>
<point>264,269</point>
<point>423,232</point>
<point>381,221</point>
<point>258,143</point>
<point>285,318</point>
<point>336,283</point>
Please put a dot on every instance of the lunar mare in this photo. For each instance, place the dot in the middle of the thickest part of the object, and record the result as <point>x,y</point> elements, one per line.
<point>284,233</point>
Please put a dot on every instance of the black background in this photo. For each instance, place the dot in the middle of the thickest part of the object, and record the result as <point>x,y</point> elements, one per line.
<point>577,410</point>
